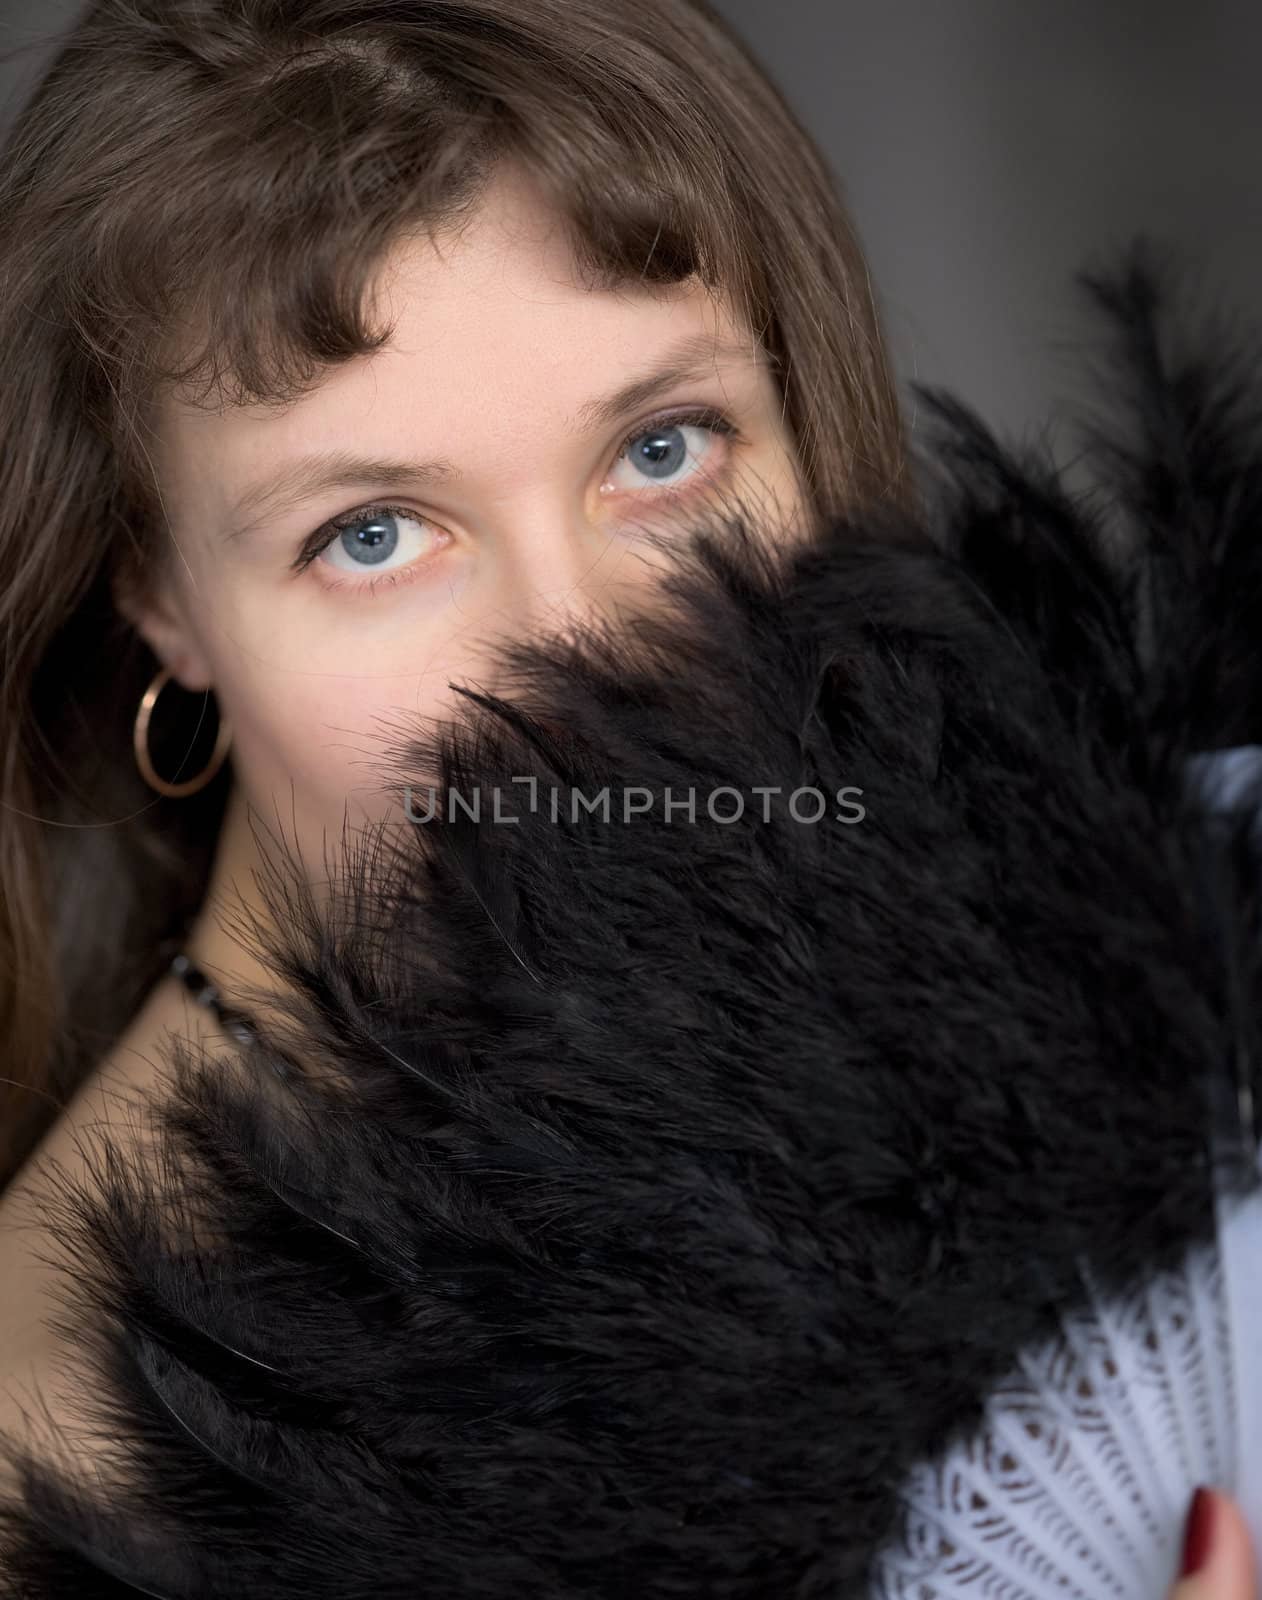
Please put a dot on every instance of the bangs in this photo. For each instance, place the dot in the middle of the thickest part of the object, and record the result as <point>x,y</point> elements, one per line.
<point>289,197</point>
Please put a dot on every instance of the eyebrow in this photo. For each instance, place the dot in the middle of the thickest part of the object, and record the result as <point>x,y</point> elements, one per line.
<point>311,475</point>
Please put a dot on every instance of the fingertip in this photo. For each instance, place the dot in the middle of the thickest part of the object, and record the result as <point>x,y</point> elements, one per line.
<point>1227,1569</point>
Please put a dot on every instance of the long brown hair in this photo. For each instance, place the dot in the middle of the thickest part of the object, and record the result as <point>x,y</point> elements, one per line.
<point>199,191</point>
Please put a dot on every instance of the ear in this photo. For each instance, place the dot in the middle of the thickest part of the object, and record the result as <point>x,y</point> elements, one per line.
<point>157,613</point>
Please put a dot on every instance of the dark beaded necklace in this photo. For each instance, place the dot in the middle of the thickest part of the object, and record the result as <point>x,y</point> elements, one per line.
<point>205,993</point>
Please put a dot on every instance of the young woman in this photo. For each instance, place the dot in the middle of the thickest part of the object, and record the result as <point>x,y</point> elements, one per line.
<point>341,338</point>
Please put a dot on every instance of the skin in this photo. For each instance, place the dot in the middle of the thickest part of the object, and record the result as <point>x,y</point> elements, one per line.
<point>1229,1569</point>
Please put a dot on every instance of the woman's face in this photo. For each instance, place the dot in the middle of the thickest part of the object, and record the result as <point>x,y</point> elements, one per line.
<point>486,473</point>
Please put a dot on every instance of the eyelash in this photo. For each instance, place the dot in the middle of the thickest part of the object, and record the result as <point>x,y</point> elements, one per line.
<point>697,417</point>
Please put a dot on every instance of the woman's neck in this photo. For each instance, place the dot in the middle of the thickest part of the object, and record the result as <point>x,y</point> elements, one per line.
<point>217,940</point>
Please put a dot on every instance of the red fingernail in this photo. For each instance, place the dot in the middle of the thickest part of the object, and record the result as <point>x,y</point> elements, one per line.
<point>1198,1533</point>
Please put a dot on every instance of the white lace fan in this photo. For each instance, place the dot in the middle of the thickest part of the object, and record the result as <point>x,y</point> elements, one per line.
<point>1078,1481</point>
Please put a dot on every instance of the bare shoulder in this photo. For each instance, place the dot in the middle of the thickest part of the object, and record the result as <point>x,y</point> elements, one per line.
<point>37,1376</point>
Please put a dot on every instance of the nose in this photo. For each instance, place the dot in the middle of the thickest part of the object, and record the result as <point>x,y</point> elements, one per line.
<point>554,573</point>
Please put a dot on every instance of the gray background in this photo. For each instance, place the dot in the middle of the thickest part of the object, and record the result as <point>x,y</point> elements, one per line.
<point>988,149</point>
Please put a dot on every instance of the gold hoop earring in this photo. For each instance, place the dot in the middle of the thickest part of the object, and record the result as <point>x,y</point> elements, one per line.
<point>140,740</point>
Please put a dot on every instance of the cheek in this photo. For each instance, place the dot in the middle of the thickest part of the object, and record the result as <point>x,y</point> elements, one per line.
<point>782,496</point>
<point>311,747</point>
<point>318,693</point>
<point>783,478</point>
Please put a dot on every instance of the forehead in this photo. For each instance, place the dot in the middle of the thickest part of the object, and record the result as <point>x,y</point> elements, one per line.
<point>490,324</point>
<point>502,294</point>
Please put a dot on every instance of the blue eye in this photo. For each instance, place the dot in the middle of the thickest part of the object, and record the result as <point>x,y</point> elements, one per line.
<point>671,452</point>
<point>661,453</point>
<point>370,539</point>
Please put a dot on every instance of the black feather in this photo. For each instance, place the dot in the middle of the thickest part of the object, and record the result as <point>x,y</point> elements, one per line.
<point>622,1208</point>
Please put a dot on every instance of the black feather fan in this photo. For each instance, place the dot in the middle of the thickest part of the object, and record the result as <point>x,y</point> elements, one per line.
<point>628,1199</point>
